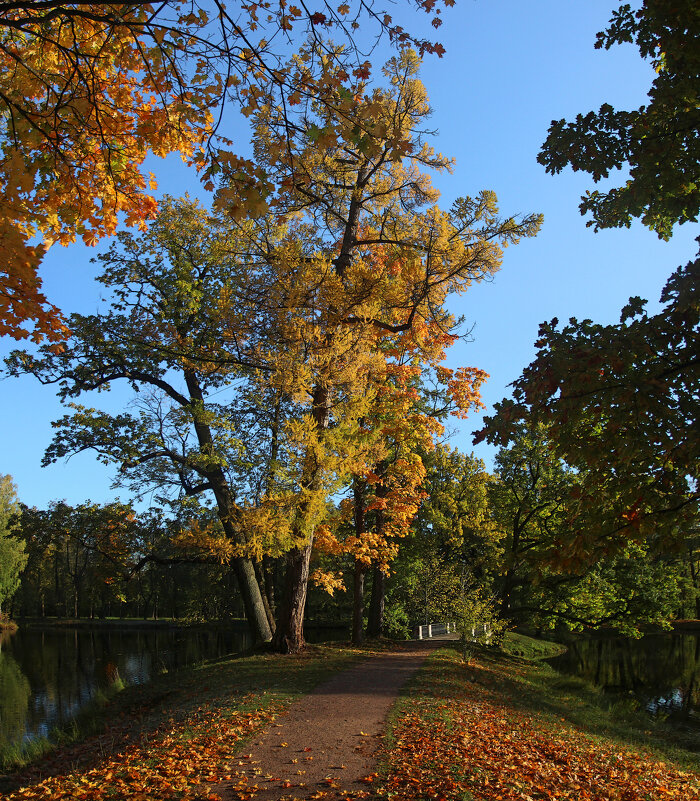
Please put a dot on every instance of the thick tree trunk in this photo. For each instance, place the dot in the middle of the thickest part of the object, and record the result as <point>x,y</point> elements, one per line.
<point>243,567</point>
<point>252,599</point>
<point>269,610</point>
<point>358,586</point>
<point>271,569</point>
<point>375,621</point>
<point>358,602</point>
<point>289,634</point>
<point>506,591</point>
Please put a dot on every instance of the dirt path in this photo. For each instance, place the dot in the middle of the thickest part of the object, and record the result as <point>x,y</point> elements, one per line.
<point>327,739</point>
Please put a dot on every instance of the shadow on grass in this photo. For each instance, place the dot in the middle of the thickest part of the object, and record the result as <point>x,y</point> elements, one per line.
<point>536,689</point>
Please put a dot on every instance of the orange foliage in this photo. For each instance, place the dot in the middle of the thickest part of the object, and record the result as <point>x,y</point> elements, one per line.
<point>84,99</point>
<point>178,761</point>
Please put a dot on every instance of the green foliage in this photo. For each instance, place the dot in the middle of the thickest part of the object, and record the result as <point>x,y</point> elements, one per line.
<point>12,555</point>
<point>529,501</point>
<point>627,591</point>
<point>104,561</point>
<point>457,518</point>
<point>561,566</point>
<point>658,142</point>
<point>397,623</point>
<point>619,403</point>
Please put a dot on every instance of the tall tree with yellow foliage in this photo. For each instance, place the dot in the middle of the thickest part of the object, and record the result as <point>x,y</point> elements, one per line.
<point>301,296</point>
<point>377,260</point>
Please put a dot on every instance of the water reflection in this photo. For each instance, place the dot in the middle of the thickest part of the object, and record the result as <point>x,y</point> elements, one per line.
<point>46,677</point>
<point>660,670</point>
<point>14,696</point>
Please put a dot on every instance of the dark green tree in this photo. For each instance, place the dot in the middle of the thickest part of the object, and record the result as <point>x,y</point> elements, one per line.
<point>620,405</point>
<point>658,142</point>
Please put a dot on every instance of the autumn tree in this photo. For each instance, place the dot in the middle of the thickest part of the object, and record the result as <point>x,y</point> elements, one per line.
<point>88,89</point>
<point>173,299</point>
<point>427,394</point>
<point>290,296</point>
<point>658,142</point>
<point>620,402</point>
<point>383,257</point>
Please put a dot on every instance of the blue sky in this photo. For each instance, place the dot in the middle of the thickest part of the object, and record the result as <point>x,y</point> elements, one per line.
<point>510,68</point>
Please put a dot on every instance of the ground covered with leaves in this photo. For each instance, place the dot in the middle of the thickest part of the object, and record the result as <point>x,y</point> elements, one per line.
<point>174,738</point>
<point>488,731</point>
<point>499,728</point>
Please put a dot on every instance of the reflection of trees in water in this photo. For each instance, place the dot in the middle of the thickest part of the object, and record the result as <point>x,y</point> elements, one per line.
<point>14,696</point>
<point>51,674</point>
<point>661,670</point>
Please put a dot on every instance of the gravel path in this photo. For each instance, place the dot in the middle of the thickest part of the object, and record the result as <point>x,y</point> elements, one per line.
<point>327,740</point>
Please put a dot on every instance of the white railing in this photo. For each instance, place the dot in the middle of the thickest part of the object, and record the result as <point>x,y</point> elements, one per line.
<point>479,632</point>
<point>435,630</point>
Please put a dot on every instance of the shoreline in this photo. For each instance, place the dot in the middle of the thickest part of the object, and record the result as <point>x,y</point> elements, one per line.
<point>529,703</point>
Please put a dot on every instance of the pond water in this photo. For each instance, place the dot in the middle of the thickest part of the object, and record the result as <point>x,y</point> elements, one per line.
<point>662,671</point>
<point>47,676</point>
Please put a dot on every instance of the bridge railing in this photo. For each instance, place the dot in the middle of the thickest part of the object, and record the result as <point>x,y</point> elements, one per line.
<point>434,630</point>
<point>479,632</point>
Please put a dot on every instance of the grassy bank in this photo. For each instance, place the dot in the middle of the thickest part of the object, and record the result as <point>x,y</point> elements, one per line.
<point>172,734</point>
<point>503,727</point>
<point>506,727</point>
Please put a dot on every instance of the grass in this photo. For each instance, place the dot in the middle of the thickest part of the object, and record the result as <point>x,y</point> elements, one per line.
<point>507,725</point>
<point>618,718</point>
<point>529,648</point>
<point>463,731</point>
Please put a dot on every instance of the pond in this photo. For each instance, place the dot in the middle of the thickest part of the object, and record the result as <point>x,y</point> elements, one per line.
<point>48,675</point>
<point>662,671</point>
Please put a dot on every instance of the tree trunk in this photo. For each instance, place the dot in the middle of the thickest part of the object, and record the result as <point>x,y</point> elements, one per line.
<point>260,578</point>
<point>358,585</point>
<point>375,621</point>
<point>358,602</point>
<point>252,599</point>
<point>289,633</point>
<point>271,568</point>
<point>506,590</point>
<point>245,573</point>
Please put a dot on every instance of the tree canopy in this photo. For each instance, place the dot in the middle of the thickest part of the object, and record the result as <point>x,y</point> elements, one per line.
<point>318,302</point>
<point>658,142</point>
<point>12,549</point>
<point>88,89</point>
<point>619,403</point>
